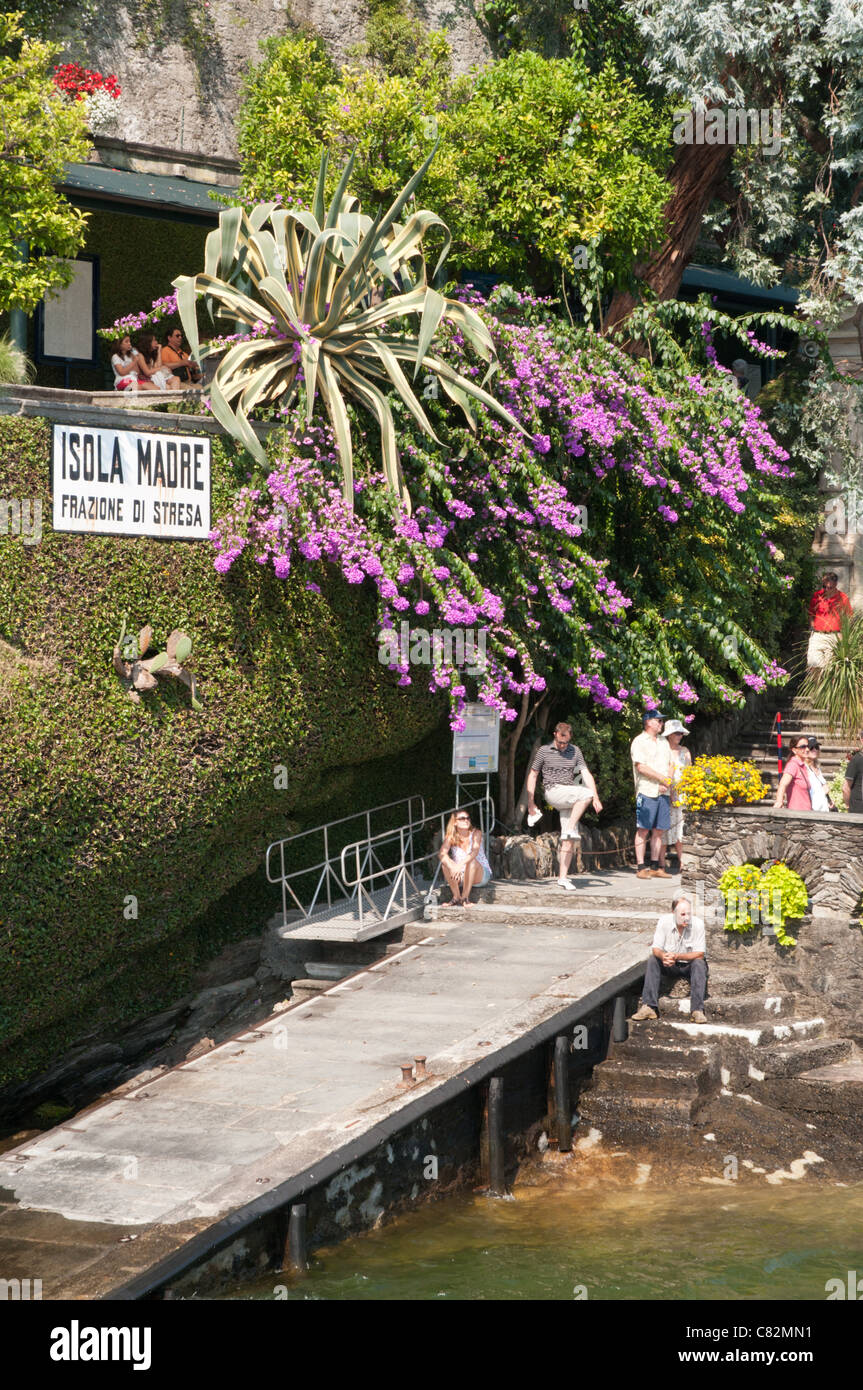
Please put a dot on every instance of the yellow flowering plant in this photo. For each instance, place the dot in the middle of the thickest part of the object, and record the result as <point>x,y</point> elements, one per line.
<point>719,781</point>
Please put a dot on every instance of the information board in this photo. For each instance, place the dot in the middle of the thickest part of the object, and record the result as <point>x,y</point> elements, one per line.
<point>130,483</point>
<point>475,748</point>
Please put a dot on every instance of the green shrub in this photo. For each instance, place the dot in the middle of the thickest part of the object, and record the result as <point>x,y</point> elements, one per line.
<point>772,894</point>
<point>103,801</point>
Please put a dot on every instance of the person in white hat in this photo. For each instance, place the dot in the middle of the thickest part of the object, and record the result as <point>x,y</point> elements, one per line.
<point>675,732</point>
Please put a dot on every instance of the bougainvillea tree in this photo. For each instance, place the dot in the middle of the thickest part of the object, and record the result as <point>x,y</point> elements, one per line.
<point>625,544</point>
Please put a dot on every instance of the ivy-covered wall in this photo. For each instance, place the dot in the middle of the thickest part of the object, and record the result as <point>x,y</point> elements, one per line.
<point>107,806</point>
<point>138,259</point>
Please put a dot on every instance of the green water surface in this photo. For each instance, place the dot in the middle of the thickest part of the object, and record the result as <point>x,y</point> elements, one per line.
<point>561,1242</point>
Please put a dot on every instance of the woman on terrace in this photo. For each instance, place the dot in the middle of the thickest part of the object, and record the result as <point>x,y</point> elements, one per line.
<point>151,372</point>
<point>463,858</point>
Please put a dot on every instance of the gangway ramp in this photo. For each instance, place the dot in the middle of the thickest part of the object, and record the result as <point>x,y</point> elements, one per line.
<point>371,884</point>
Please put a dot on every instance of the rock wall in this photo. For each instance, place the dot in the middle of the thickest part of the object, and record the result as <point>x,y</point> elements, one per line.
<point>827,852</point>
<point>180,65</point>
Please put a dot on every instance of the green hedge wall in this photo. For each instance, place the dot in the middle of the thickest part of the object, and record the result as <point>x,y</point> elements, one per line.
<point>101,799</point>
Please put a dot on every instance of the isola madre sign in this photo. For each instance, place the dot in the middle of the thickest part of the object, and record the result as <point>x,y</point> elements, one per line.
<point>131,483</point>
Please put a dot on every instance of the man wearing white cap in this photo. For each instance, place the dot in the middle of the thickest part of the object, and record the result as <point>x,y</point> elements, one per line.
<point>675,731</point>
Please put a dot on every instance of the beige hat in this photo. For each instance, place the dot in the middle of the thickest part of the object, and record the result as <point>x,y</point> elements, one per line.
<point>674,726</point>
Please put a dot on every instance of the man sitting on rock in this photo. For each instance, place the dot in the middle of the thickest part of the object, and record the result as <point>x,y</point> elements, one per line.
<point>679,946</point>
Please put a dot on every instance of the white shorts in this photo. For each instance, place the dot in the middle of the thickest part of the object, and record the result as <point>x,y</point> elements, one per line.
<point>563,798</point>
<point>821,645</point>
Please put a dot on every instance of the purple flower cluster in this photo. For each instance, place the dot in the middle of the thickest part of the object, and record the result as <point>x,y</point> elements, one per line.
<point>496,539</point>
<point>132,323</point>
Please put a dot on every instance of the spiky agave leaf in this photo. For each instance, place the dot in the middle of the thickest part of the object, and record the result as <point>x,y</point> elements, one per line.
<point>305,285</point>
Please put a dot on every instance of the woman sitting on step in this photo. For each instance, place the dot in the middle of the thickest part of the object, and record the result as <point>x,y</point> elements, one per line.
<point>463,858</point>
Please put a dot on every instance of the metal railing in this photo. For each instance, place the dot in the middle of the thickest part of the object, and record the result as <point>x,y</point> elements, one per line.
<point>386,865</point>
<point>328,880</point>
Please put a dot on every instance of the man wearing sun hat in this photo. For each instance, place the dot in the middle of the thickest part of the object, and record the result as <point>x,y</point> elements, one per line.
<point>674,731</point>
<point>652,769</point>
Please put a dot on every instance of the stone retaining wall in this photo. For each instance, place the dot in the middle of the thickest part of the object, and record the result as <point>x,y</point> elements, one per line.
<point>827,852</point>
<point>536,856</point>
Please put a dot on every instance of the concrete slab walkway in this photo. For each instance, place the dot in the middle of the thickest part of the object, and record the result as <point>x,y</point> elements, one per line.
<point>105,1195</point>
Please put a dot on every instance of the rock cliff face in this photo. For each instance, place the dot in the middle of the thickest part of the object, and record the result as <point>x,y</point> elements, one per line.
<point>180,64</point>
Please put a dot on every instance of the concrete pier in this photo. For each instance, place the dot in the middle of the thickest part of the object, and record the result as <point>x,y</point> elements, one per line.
<point>103,1198</point>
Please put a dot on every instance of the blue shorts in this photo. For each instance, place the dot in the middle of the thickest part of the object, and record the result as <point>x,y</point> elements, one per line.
<point>653,812</point>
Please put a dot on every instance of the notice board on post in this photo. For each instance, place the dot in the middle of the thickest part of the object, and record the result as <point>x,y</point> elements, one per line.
<point>475,748</point>
<point>118,482</point>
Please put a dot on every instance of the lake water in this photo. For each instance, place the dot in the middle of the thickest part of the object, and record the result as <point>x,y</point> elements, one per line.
<point>558,1240</point>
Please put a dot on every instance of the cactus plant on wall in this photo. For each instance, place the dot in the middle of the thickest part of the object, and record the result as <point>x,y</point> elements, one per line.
<point>139,674</point>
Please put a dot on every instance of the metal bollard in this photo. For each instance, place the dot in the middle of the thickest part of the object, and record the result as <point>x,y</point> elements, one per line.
<point>297,1237</point>
<point>620,1027</point>
<point>497,1167</point>
<point>420,1064</point>
<point>563,1109</point>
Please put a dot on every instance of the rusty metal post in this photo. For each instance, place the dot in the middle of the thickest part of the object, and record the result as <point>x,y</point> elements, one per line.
<point>420,1063</point>
<point>496,1163</point>
<point>562,1106</point>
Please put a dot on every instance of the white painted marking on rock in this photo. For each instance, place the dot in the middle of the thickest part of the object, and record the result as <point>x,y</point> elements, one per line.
<point>643,1171</point>
<point>710,1137</point>
<point>755,1073</point>
<point>724,1076</point>
<point>796,1169</point>
<point>590,1140</point>
<point>773,1004</point>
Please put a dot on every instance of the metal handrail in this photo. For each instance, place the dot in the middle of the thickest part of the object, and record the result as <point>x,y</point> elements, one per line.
<point>325,868</point>
<point>357,881</point>
<point>404,871</point>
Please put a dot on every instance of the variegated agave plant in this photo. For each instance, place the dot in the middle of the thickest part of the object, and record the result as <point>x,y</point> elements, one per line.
<point>312,285</point>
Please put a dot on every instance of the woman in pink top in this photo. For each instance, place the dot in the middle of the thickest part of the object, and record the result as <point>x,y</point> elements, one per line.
<point>795,781</point>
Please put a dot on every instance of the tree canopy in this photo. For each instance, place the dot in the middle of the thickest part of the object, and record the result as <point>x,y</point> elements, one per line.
<point>41,131</point>
<point>536,156</point>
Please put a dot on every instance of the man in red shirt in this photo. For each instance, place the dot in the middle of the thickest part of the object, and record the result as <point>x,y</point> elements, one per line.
<point>826,608</point>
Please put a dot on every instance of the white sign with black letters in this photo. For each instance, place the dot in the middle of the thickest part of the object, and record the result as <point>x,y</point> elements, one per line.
<point>130,483</point>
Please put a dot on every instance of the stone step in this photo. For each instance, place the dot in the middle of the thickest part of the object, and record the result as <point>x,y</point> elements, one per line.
<point>831,760</point>
<point>626,1119</point>
<point>762,733</point>
<point>307,989</point>
<point>736,1008</point>
<point>826,1096</point>
<point>672,1078</point>
<point>557,913</point>
<point>645,893</point>
<point>791,1059</point>
<point>640,1046</point>
<point>724,983</point>
<point>793,1030</point>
